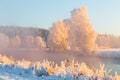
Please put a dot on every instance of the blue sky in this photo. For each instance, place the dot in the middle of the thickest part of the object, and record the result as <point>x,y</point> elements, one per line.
<point>104,14</point>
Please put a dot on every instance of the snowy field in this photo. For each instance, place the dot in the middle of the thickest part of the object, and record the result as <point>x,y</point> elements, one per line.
<point>46,70</point>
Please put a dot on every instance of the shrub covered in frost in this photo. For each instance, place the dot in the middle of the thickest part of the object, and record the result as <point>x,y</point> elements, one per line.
<point>49,70</point>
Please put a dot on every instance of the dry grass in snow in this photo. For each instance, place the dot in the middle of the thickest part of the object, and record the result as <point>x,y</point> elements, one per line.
<point>48,70</point>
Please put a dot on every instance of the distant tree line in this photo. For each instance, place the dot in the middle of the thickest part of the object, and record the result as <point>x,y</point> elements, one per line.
<point>108,41</point>
<point>12,31</point>
<point>22,37</point>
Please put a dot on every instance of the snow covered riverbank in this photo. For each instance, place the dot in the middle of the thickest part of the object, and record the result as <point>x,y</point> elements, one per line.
<point>46,70</point>
<point>108,53</point>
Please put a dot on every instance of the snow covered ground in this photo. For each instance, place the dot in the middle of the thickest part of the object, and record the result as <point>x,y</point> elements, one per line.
<point>46,70</point>
<point>108,53</point>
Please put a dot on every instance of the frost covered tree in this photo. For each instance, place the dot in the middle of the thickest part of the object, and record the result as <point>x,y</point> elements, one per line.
<point>82,36</point>
<point>29,41</point>
<point>15,41</point>
<point>74,34</point>
<point>4,42</point>
<point>58,37</point>
<point>39,42</point>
